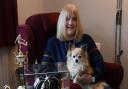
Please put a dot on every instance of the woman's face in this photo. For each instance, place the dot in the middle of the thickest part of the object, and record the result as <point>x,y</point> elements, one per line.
<point>71,24</point>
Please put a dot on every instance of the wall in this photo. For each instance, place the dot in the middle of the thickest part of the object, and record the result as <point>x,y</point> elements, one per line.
<point>27,8</point>
<point>125,43</point>
<point>98,19</point>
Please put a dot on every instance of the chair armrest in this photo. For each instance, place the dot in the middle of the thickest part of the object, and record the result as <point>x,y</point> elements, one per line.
<point>114,74</point>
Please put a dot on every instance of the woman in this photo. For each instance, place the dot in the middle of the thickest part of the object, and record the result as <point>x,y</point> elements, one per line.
<point>69,31</point>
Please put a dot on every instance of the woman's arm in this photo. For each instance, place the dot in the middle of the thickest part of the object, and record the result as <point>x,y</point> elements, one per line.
<point>96,60</point>
<point>48,53</point>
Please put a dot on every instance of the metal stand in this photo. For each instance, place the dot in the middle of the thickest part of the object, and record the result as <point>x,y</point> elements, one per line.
<point>118,50</point>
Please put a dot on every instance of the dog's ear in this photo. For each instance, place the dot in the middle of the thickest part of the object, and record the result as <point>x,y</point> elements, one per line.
<point>84,47</point>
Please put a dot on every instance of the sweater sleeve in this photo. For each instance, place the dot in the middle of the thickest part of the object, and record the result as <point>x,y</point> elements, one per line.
<point>48,54</point>
<point>96,60</point>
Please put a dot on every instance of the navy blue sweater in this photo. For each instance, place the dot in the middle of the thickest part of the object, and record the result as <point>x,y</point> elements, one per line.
<point>56,51</point>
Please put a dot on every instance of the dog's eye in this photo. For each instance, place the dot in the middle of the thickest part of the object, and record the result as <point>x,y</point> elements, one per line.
<point>73,56</point>
<point>79,56</point>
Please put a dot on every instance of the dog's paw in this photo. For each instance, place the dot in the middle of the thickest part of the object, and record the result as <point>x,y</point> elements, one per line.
<point>76,79</point>
<point>101,85</point>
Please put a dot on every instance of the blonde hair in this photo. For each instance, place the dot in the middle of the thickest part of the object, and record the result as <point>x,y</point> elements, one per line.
<point>66,11</point>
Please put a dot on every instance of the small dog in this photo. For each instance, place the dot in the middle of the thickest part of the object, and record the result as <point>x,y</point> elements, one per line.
<point>78,64</point>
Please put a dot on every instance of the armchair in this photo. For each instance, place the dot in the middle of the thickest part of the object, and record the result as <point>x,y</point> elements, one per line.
<point>36,31</point>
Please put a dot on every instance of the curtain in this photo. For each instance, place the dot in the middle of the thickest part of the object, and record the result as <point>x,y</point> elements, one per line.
<point>8,22</point>
<point>7,72</point>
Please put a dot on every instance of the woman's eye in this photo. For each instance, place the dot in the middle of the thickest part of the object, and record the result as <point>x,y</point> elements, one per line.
<point>67,18</point>
<point>74,19</point>
<point>71,18</point>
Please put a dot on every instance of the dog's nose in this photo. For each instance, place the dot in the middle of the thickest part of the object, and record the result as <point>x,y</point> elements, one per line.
<point>76,60</point>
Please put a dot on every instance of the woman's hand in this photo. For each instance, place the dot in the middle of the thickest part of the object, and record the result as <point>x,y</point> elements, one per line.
<point>85,79</point>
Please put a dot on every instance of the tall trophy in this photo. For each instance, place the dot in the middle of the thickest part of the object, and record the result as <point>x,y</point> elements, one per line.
<point>20,58</point>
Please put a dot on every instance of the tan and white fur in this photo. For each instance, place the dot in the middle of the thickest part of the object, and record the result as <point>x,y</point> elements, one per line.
<point>78,64</point>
